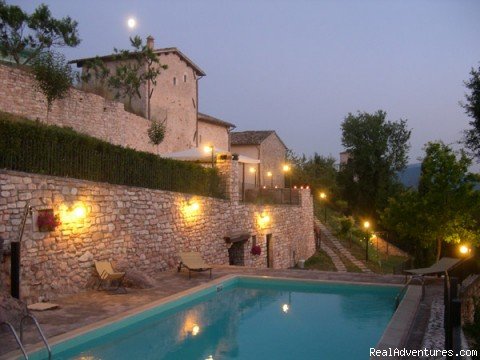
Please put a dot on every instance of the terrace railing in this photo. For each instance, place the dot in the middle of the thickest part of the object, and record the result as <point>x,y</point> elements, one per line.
<point>259,195</point>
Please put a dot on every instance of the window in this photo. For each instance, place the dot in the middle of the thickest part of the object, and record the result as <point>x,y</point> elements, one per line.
<point>254,240</point>
<point>184,78</point>
<point>174,81</point>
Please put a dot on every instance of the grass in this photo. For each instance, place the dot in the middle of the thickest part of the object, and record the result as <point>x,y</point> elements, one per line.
<point>320,261</point>
<point>378,262</point>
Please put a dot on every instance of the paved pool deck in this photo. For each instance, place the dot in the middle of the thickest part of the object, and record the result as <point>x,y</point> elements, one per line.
<point>92,306</point>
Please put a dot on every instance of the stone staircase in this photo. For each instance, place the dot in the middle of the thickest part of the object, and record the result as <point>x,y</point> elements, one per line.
<point>330,239</point>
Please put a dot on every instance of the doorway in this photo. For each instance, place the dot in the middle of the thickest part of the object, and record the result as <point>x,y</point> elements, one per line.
<point>236,254</point>
<point>269,250</point>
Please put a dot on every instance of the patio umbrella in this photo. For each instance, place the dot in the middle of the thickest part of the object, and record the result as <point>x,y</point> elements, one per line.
<point>199,154</point>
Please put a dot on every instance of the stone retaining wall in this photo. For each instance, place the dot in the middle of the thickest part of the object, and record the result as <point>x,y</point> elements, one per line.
<point>84,112</point>
<point>141,228</point>
<point>470,295</point>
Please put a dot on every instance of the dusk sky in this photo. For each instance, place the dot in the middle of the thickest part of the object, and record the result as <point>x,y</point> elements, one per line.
<point>299,67</point>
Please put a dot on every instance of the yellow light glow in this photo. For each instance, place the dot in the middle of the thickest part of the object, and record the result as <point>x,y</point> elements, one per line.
<point>264,187</point>
<point>464,249</point>
<point>263,219</point>
<point>366,224</point>
<point>74,213</point>
<point>131,23</point>
<point>269,174</point>
<point>276,186</point>
<point>323,195</point>
<point>210,357</point>
<point>373,237</point>
<point>80,211</point>
<point>195,329</point>
<point>295,187</point>
<point>252,170</point>
<point>208,149</point>
<point>285,308</point>
<point>286,168</point>
<point>308,187</point>
<point>190,208</point>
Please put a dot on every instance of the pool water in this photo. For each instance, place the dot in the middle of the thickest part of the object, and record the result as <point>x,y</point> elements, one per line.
<point>251,319</point>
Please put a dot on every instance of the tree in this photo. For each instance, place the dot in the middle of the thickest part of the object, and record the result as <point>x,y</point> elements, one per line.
<point>317,171</point>
<point>53,75</point>
<point>472,109</point>
<point>378,150</point>
<point>444,209</point>
<point>156,132</point>
<point>33,34</point>
<point>135,69</point>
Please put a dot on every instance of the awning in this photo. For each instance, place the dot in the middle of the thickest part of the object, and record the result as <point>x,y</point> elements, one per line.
<point>247,160</point>
<point>237,237</point>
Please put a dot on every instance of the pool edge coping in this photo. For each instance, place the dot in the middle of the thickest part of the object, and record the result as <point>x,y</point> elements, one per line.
<point>171,298</point>
<point>398,329</point>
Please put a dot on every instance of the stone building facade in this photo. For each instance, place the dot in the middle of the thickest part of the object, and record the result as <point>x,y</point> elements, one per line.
<point>142,228</point>
<point>106,119</point>
<point>267,147</point>
<point>213,131</point>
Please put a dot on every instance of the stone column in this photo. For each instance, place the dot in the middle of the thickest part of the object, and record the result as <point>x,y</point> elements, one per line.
<point>228,170</point>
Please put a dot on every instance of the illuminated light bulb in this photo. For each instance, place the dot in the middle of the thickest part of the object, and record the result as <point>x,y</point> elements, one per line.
<point>285,308</point>
<point>79,211</point>
<point>464,249</point>
<point>195,206</point>
<point>195,329</point>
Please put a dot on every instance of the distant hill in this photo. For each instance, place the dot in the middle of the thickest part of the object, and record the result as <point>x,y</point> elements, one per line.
<point>411,175</point>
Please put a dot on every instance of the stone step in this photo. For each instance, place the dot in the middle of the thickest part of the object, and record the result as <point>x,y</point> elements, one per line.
<point>342,249</point>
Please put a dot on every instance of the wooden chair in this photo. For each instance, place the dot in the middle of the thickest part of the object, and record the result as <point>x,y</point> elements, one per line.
<point>106,274</point>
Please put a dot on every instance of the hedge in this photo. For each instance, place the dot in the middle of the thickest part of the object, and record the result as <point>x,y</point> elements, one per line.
<point>51,150</point>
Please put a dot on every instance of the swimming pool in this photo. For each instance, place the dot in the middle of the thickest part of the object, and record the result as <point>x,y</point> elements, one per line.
<point>247,318</point>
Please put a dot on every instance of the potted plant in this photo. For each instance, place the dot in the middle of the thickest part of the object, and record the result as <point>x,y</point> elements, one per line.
<point>47,220</point>
<point>256,250</point>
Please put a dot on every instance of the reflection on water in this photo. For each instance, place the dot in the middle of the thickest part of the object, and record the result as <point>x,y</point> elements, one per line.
<point>255,323</point>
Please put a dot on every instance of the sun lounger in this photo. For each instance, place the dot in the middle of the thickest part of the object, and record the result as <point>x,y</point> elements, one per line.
<point>106,274</point>
<point>193,262</point>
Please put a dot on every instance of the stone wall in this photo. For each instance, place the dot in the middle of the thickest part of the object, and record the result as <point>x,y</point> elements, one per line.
<point>96,116</point>
<point>272,155</point>
<point>470,295</point>
<point>211,134</point>
<point>142,228</point>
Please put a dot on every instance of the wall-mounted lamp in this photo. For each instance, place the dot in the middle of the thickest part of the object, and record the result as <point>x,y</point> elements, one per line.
<point>73,213</point>
<point>263,220</point>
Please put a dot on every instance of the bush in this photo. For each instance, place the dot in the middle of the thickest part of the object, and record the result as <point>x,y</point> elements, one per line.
<point>37,148</point>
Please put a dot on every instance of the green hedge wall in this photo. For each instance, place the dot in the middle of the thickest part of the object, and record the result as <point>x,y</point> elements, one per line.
<point>37,148</point>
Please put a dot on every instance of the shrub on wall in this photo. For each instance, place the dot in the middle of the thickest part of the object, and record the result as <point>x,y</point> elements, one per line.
<point>37,148</point>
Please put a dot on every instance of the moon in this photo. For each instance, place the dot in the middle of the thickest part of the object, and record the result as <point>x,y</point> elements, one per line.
<point>131,22</point>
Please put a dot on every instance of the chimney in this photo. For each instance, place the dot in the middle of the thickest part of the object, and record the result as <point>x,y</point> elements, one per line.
<point>150,42</point>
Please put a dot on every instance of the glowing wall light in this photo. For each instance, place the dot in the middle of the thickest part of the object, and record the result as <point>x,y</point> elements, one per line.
<point>73,213</point>
<point>190,208</point>
<point>263,220</point>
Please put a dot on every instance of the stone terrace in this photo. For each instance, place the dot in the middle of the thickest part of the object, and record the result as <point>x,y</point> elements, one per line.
<point>92,306</point>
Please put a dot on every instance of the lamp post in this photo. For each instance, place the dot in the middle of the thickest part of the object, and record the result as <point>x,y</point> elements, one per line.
<point>270,175</point>
<point>323,196</point>
<point>286,169</point>
<point>366,226</point>
<point>210,149</point>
